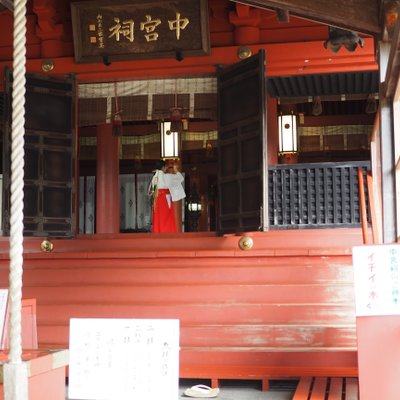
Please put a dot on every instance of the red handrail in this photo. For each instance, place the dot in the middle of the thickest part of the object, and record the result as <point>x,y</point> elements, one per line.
<point>363,207</point>
<point>371,198</point>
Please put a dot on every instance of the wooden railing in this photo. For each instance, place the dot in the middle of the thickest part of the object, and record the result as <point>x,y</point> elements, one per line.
<point>374,181</point>
<point>315,195</point>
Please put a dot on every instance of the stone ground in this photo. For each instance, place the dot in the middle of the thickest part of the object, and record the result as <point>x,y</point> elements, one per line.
<point>240,390</point>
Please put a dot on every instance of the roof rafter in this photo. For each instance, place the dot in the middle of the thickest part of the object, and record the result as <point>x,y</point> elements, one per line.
<point>356,15</point>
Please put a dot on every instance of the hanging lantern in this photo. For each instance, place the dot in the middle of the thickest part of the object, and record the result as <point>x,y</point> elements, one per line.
<point>316,106</point>
<point>172,130</point>
<point>287,133</point>
<point>170,141</point>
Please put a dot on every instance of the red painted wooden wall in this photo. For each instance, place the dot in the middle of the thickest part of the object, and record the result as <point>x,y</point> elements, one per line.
<point>284,308</point>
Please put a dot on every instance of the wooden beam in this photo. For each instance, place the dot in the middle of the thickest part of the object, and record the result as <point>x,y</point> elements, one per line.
<point>388,17</point>
<point>338,97</point>
<point>283,59</point>
<point>393,69</point>
<point>356,15</point>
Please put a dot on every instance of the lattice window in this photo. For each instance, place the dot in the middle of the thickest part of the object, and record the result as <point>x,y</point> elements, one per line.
<point>314,195</point>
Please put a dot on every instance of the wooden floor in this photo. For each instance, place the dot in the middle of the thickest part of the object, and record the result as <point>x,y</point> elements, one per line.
<point>234,390</point>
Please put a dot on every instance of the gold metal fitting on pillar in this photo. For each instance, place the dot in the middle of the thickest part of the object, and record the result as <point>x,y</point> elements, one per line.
<point>47,65</point>
<point>246,243</point>
<point>46,246</point>
<point>244,52</point>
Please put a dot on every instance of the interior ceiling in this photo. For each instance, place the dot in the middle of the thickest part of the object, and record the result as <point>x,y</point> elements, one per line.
<point>298,88</point>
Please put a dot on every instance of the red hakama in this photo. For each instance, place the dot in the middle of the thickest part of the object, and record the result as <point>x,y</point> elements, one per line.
<point>163,213</point>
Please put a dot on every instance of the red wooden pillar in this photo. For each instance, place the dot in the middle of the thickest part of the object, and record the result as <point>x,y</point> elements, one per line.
<point>246,21</point>
<point>107,181</point>
<point>272,129</point>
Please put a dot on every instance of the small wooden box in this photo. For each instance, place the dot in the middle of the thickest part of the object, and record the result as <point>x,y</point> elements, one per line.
<point>46,373</point>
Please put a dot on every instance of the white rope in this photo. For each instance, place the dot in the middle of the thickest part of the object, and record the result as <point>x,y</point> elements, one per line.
<point>16,375</point>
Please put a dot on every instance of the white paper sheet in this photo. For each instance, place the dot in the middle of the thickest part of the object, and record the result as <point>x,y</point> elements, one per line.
<point>117,359</point>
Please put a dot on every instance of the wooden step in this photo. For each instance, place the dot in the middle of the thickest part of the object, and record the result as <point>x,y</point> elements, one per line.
<point>321,388</point>
<point>284,309</point>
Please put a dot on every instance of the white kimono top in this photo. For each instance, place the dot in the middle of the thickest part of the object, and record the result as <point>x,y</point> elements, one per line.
<point>172,182</point>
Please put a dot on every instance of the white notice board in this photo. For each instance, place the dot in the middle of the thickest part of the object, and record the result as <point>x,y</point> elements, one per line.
<point>377,279</point>
<point>117,359</point>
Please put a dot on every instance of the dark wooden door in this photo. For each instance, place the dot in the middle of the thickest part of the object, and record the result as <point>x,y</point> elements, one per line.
<point>49,156</point>
<point>242,167</point>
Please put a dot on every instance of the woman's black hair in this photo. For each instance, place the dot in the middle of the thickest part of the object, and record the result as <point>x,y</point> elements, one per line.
<point>160,164</point>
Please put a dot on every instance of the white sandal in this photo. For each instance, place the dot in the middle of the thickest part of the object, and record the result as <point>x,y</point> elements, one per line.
<point>201,391</point>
